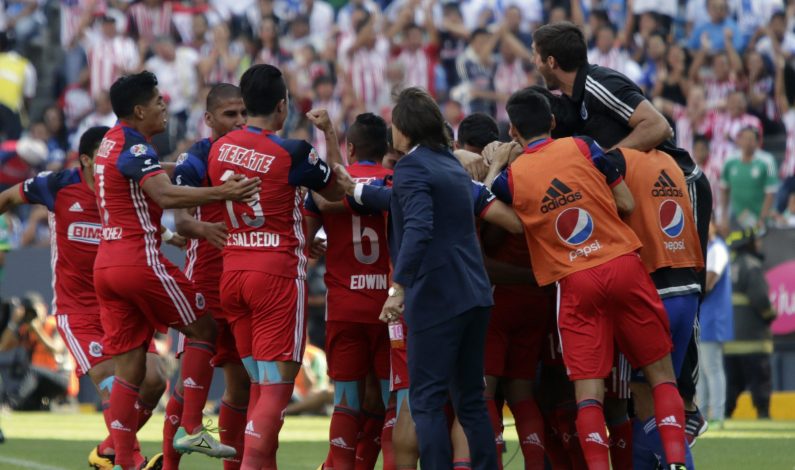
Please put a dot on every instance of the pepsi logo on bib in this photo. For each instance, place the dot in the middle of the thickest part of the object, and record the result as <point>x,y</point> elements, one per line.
<point>672,218</point>
<point>574,226</point>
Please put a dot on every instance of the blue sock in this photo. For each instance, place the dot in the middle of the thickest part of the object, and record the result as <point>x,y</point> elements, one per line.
<point>642,456</point>
<point>655,443</point>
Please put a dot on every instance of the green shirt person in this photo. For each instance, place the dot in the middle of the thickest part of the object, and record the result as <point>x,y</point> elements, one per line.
<point>749,182</point>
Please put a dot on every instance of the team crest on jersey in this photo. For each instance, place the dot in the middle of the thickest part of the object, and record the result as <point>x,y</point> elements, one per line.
<point>574,226</point>
<point>672,218</point>
<point>313,158</point>
<point>200,301</point>
<point>583,111</point>
<point>138,150</point>
<point>182,157</point>
<point>95,349</point>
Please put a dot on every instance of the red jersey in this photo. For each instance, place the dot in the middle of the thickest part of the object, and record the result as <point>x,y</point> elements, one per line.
<point>204,261</point>
<point>75,228</point>
<point>357,259</point>
<point>130,218</point>
<point>268,234</point>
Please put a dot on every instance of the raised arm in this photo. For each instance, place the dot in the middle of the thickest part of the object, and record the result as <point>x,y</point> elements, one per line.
<point>11,198</point>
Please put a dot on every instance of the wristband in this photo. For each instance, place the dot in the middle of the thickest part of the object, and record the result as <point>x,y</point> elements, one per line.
<point>357,193</point>
<point>167,235</point>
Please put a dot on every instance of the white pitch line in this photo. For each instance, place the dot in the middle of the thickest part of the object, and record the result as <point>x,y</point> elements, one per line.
<point>28,464</point>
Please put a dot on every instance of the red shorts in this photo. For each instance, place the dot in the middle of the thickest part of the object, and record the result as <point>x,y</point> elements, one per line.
<point>614,301</point>
<point>355,349</point>
<point>136,300</point>
<point>225,349</point>
<point>617,383</point>
<point>552,354</point>
<point>82,334</point>
<point>516,332</point>
<point>275,306</point>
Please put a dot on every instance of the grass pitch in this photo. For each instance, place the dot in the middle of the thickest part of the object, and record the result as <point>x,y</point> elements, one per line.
<point>49,441</point>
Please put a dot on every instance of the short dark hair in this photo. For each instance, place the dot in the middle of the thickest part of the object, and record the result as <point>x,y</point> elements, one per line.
<point>566,118</point>
<point>417,116</point>
<point>89,141</point>
<point>322,80</point>
<point>262,87</point>
<point>478,32</point>
<point>130,91</point>
<point>565,42</point>
<point>368,134</point>
<point>530,113</point>
<point>700,138</point>
<point>478,130</point>
<point>220,92</point>
<point>752,129</point>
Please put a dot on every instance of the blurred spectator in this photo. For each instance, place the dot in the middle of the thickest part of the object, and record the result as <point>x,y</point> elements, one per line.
<point>747,356</point>
<point>417,55</point>
<point>270,51</point>
<point>200,30</point>
<point>24,18</point>
<point>688,120</point>
<point>453,37</point>
<point>510,74</point>
<point>313,393</point>
<point>715,32</point>
<point>345,21</point>
<point>321,19</point>
<point>19,159</point>
<point>150,20</point>
<point>326,98</point>
<point>364,58</point>
<point>753,16</point>
<point>724,127</point>
<point>664,10</point>
<point>700,150</point>
<point>299,35</point>
<point>749,182</point>
<point>608,53</point>
<point>184,17</point>
<point>453,113</point>
<point>720,79</point>
<point>17,87</point>
<point>778,40</point>
<point>716,328</point>
<point>58,141</point>
<point>177,80</point>
<point>476,71</point>
<point>654,68</point>
<point>101,116</point>
<point>110,55</point>
<point>761,92</point>
<point>220,58</point>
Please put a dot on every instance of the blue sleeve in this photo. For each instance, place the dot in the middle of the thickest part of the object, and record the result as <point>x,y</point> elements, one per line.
<point>593,151</point>
<point>482,197</point>
<point>617,160</point>
<point>413,191</point>
<point>310,205</point>
<point>43,188</point>
<point>501,187</point>
<point>376,198</point>
<point>139,162</point>
<point>190,171</point>
<point>306,167</point>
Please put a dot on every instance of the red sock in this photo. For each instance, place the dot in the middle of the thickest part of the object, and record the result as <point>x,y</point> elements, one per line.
<point>496,426</point>
<point>593,434</point>
<point>144,412</point>
<point>530,427</point>
<point>197,373</point>
<point>386,439</point>
<point>462,464</point>
<point>329,463</point>
<point>669,412</point>
<point>553,445</point>
<point>566,418</point>
<point>262,431</point>
<point>253,396</point>
<point>621,445</point>
<point>125,421</point>
<point>232,423</point>
<point>343,435</point>
<point>106,445</point>
<point>369,445</point>
<point>171,424</point>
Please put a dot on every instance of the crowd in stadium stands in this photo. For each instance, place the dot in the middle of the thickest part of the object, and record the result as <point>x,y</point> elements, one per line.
<point>722,71</point>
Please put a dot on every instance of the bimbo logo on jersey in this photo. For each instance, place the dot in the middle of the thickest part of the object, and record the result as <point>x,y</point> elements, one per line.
<point>558,195</point>
<point>672,218</point>
<point>85,232</point>
<point>665,187</point>
<point>574,226</point>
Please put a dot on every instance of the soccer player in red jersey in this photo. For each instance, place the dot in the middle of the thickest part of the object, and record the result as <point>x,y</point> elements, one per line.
<point>265,258</point>
<point>139,290</point>
<point>206,228</point>
<point>75,226</point>
<point>357,272</point>
<point>576,238</point>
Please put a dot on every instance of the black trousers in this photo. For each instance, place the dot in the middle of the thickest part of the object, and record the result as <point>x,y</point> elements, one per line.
<point>748,372</point>
<point>446,361</point>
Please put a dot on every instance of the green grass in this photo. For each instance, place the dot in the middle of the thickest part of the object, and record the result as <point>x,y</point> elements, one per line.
<point>50,441</point>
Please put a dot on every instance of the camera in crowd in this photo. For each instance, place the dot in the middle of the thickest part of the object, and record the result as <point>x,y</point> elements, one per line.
<point>15,304</point>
